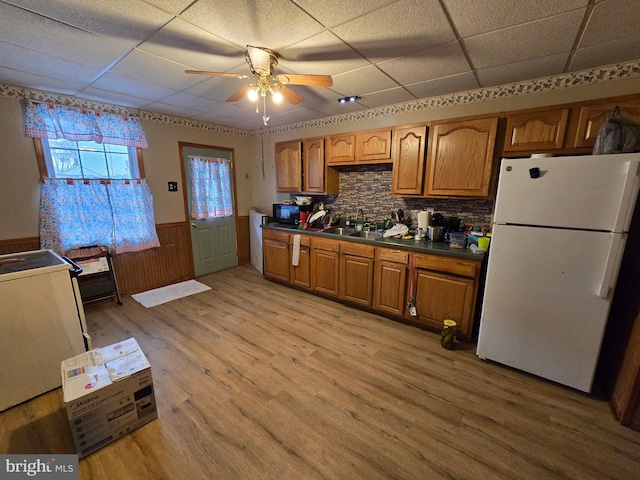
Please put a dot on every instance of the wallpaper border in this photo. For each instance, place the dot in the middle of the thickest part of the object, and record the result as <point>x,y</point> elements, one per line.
<point>545,84</point>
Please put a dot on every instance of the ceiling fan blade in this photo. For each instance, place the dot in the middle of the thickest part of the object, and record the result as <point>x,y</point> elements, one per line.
<point>218,74</point>
<point>260,60</point>
<point>239,94</point>
<point>312,80</point>
<point>290,96</point>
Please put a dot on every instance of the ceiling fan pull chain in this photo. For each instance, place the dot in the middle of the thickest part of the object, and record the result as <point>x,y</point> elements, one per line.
<point>265,119</point>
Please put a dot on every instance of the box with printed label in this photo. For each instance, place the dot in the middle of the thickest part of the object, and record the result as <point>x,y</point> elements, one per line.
<point>108,393</point>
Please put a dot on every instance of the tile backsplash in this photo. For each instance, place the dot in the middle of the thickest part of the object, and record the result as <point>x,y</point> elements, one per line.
<point>369,187</point>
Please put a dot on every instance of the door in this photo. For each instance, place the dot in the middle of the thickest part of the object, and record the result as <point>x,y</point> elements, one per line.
<point>213,240</point>
<point>545,309</point>
<point>595,192</point>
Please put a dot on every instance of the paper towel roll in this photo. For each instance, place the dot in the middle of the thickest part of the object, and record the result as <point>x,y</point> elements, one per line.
<point>424,219</point>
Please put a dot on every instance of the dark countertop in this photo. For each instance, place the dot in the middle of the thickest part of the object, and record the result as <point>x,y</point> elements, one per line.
<point>422,246</point>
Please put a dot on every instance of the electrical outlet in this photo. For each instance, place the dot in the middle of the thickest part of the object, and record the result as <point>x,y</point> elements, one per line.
<point>173,186</point>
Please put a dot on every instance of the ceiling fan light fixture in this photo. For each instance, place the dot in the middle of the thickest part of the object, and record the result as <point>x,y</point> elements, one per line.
<point>252,94</point>
<point>277,96</point>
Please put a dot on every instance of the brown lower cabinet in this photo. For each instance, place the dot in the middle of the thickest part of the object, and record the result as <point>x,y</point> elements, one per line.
<point>445,288</point>
<point>275,252</point>
<point>390,280</point>
<point>356,273</point>
<point>325,265</point>
<point>378,278</point>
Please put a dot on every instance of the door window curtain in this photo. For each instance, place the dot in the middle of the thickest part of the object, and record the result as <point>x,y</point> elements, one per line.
<point>210,187</point>
<point>45,120</point>
<point>114,213</point>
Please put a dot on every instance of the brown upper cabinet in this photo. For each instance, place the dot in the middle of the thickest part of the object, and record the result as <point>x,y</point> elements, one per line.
<point>289,166</point>
<point>536,131</point>
<point>370,146</point>
<point>461,157</point>
<point>408,160</point>
<point>592,117</point>
<point>301,168</point>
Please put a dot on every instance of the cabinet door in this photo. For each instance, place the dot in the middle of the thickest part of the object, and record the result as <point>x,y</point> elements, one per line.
<point>276,259</point>
<point>536,131</point>
<point>389,285</point>
<point>408,161</point>
<point>460,159</point>
<point>301,274</point>
<point>439,296</point>
<point>314,178</point>
<point>289,167</point>
<point>341,149</point>
<point>356,279</point>
<point>373,146</point>
<point>593,116</point>
<point>324,271</point>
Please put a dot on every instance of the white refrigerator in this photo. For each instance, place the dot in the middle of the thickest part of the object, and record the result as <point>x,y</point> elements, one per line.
<point>558,238</point>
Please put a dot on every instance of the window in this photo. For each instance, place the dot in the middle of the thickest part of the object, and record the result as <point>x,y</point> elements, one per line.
<point>60,158</point>
<point>69,159</point>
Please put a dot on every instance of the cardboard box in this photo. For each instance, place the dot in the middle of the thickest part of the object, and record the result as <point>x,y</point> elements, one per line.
<point>108,393</point>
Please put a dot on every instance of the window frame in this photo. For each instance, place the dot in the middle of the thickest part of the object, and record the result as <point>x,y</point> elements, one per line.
<point>44,171</point>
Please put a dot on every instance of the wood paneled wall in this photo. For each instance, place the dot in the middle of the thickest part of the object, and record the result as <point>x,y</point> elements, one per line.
<point>157,267</point>
<point>15,245</point>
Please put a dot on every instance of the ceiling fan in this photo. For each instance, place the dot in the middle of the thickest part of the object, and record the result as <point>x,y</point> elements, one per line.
<point>262,63</point>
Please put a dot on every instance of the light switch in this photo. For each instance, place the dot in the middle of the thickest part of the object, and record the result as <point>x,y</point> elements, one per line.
<point>173,186</point>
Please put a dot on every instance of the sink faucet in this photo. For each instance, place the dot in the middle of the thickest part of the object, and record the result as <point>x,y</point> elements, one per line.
<point>360,215</point>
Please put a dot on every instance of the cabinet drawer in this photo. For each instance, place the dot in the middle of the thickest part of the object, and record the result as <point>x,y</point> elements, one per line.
<point>325,244</point>
<point>305,241</point>
<point>455,266</point>
<point>276,235</point>
<point>357,249</point>
<point>390,255</point>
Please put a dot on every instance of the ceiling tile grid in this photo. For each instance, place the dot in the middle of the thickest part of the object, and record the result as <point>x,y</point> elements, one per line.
<point>134,53</point>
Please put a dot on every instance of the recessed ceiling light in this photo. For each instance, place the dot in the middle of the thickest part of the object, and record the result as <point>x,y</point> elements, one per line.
<point>352,98</point>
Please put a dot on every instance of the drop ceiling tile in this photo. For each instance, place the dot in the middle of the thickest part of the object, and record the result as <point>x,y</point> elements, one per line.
<point>30,80</point>
<point>441,61</point>
<point>621,50</point>
<point>124,85</point>
<point>175,110</point>
<point>217,88</point>
<point>322,54</point>
<point>19,27</point>
<point>293,116</point>
<point>157,70</point>
<point>128,21</point>
<point>611,20</point>
<point>32,62</point>
<point>334,12</point>
<point>473,17</point>
<point>401,28</point>
<point>525,70</point>
<point>386,97</point>
<point>192,102</point>
<point>531,40</point>
<point>274,24</point>
<point>186,44</point>
<point>172,6</point>
<point>442,86</point>
<point>362,81</point>
<point>99,95</point>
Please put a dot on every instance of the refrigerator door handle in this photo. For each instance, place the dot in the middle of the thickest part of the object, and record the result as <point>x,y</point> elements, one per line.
<point>612,265</point>
<point>628,197</point>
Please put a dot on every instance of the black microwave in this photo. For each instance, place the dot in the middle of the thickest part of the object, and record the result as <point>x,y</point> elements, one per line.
<point>283,213</point>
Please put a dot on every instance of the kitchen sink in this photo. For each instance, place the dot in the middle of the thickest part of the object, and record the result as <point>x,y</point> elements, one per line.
<point>365,234</point>
<point>340,231</point>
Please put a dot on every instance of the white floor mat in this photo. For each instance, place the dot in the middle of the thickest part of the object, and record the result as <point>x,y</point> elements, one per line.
<point>161,295</point>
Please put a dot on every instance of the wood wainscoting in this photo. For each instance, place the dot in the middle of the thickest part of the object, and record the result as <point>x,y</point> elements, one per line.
<point>156,267</point>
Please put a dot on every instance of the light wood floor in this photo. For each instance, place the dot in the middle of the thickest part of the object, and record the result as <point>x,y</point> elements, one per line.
<point>254,380</point>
